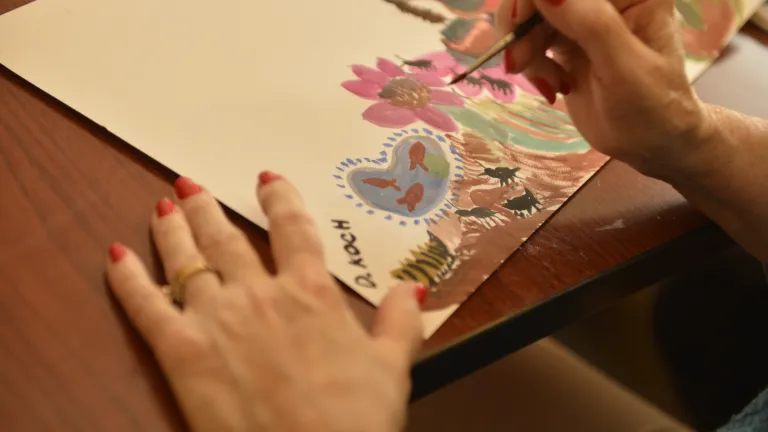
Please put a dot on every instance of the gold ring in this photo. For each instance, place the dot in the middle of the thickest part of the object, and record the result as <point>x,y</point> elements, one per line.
<point>176,289</point>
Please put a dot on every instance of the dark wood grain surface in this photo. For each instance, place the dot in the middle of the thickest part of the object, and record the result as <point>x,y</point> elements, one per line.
<point>68,359</point>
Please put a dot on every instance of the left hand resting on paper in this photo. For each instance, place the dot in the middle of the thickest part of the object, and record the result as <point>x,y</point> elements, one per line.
<point>254,351</point>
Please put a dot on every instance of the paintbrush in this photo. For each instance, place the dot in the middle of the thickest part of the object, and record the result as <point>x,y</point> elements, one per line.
<point>518,33</point>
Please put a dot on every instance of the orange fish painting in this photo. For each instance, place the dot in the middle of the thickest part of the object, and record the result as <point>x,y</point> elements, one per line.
<point>416,154</point>
<point>412,196</point>
<point>382,183</point>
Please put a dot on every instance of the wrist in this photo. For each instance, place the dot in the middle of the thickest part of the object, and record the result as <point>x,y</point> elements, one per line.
<point>693,153</point>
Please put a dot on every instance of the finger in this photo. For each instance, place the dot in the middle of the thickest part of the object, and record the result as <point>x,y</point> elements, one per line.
<point>139,296</point>
<point>567,54</point>
<point>510,13</point>
<point>222,244</point>
<point>177,249</point>
<point>520,54</point>
<point>398,320</point>
<point>295,243</point>
<point>517,57</point>
<point>596,26</point>
<point>548,77</point>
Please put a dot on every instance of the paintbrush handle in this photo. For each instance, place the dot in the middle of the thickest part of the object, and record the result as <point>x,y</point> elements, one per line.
<point>518,33</point>
<point>528,25</point>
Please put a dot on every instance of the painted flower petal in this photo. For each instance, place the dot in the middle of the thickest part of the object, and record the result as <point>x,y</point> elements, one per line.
<point>442,58</point>
<point>436,118</point>
<point>387,115</point>
<point>431,80</point>
<point>389,68</point>
<point>508,94</point>
<point>469,90</point>
<point>443,97</point>
<point>364,89</point>
<point>370,74</point>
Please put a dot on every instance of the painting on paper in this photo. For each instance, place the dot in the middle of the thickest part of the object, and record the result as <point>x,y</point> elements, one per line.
<point>482,164</point>
<point>408,178</point>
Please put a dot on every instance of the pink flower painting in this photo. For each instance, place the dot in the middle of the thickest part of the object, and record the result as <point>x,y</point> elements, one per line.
<point>495,81</point>
<point>403,98</point>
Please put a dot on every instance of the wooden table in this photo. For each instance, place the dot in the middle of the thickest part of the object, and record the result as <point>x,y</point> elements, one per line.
<point>70,361</point>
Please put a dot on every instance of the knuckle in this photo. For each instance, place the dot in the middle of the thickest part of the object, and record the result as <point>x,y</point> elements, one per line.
<point>292,217</point>
<point>221,240</point>
<point>178,261</point>
<point>165,227</point>
<point>591,24</point>
<point>316,282</point>
<point>231,321</point>
<point>593,28</point>
<point>125,277</point>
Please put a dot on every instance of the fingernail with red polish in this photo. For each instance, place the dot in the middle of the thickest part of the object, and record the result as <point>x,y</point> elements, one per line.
<point>185,187</point>
<point>509,61</point>
<point>267,177</point>
<point>164,207</point>
<point>565,89</point>
<point>116,252</point>
<point>545,89</point>
<point>514,10</point>
<point>421,294</point>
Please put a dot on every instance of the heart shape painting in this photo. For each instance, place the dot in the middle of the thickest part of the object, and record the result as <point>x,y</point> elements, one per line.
<point>416,181</point>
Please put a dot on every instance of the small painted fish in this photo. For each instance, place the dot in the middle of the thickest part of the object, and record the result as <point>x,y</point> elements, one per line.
<point>412,196</point>
<point>382,183</point>
<point>416,153</point>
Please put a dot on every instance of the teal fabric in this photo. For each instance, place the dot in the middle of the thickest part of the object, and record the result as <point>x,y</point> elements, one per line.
<point>752,419</point>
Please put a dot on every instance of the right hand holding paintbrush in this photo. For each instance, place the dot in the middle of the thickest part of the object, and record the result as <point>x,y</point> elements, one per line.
<point>621,66</point>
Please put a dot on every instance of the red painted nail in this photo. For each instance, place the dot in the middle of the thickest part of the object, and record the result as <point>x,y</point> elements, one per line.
<point>116,252</point>
<point>165,207</point>
<point>185,187</point>
<point>509,61</point>
<point>421,294</point>
<point>565,89</point>
<point>555,2</point>
<point>514,10</point>
<point>267,177</point>
<point>545,89</point>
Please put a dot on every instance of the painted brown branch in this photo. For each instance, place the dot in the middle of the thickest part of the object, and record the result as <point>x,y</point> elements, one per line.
<point>423,13</point>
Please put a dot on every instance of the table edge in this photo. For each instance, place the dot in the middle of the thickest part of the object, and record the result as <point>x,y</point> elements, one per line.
<point>490,343</point>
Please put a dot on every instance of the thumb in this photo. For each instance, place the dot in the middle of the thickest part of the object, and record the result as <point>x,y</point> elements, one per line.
<point>596,26</point>
<point>398,320</point>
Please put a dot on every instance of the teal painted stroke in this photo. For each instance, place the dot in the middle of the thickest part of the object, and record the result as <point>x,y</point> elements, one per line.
<point>494,131</point>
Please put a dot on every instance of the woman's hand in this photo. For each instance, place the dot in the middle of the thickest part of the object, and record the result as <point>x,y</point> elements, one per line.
<point>621,67</point>
<point>254,351</point>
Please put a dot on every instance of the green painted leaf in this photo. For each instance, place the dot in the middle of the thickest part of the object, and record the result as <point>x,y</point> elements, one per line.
<point>568,144</point>
<point>457,29</point>
<point>437,165</point>
<point>464,5</point>
<point>477,122</point>
<point>691,13</point>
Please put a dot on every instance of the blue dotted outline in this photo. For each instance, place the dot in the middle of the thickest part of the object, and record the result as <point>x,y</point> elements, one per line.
<point>440,211</point>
